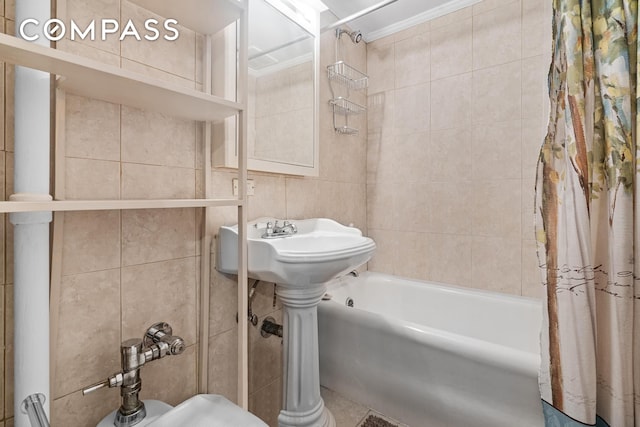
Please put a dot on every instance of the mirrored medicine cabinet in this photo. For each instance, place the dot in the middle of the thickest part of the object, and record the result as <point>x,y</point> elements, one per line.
<point>282,110</point>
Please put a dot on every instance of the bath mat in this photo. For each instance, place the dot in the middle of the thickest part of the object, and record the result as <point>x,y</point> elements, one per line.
<point>376,421</point>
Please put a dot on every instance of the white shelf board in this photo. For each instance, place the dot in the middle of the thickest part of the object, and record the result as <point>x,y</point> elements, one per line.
<point>93,79</point>
<point>105,205</point>
<point>201,16</point>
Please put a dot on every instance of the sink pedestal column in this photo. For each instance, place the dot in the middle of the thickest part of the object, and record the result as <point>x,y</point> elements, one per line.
<point>303,406</point>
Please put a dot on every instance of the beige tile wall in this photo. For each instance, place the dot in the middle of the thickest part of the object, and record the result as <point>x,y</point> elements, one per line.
<point>123,271</point>
<point>456,117</point>
<point>339,192</point>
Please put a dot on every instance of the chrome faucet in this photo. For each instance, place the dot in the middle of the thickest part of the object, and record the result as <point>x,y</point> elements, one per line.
<point>287,228</point>
<point>157,343</point>
<point>274,231</point>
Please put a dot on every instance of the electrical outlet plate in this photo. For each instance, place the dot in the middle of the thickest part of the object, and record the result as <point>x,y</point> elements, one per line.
<point>251,187</point>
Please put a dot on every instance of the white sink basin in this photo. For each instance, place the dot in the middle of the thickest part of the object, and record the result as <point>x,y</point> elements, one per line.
<point>321,250</point>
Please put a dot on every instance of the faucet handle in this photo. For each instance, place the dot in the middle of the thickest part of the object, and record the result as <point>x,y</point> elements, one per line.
<point>269,229</point>
<point>292,226</point>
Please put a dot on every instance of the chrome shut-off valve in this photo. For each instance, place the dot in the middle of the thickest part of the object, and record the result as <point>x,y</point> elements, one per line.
<point>157,343</point>
<point>160,338</point>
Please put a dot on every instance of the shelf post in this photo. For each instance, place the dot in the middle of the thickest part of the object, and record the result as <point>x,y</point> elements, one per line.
<point>243,331</point>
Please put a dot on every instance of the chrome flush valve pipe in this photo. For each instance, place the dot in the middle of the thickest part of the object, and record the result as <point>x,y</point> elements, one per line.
<point>157,343</point>
<point>132,410</point>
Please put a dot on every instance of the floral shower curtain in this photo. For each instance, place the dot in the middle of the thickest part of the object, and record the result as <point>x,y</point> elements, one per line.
<point>588,218</point>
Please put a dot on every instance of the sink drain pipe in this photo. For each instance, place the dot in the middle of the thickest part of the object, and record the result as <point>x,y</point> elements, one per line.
<point>270,327</point>
<point>31,229</point>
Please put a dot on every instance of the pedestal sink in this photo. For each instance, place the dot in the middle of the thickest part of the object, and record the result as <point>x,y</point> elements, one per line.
<point>299,264</point>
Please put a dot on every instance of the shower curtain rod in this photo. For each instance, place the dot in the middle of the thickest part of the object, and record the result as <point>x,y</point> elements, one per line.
<point>357,15</point>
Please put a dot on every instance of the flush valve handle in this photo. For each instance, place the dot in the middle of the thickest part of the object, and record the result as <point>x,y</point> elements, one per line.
<point>115,380</point>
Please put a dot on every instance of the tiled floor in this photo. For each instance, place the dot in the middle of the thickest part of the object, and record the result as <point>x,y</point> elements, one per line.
<point>348,413</point>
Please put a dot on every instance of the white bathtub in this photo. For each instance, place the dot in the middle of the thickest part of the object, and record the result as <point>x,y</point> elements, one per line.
<point>432,355</point>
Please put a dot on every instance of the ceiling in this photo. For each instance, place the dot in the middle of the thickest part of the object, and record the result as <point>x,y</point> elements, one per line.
<point>392,18</point>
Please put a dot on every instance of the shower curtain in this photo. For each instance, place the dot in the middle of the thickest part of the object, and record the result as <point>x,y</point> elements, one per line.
<point>588,218</point>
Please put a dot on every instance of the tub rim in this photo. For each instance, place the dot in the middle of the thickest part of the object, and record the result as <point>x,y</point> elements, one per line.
<point>446,287</point>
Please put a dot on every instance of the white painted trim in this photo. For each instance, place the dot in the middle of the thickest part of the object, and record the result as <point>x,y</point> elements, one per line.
<point>425,16</point>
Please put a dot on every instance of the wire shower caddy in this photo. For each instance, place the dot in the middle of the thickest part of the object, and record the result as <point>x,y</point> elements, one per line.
<point>352,79</point>
<point>347,76</point>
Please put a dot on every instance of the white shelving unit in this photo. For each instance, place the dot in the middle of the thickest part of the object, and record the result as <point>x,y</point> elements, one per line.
<point>81,76</point>
<point>93,79</point>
